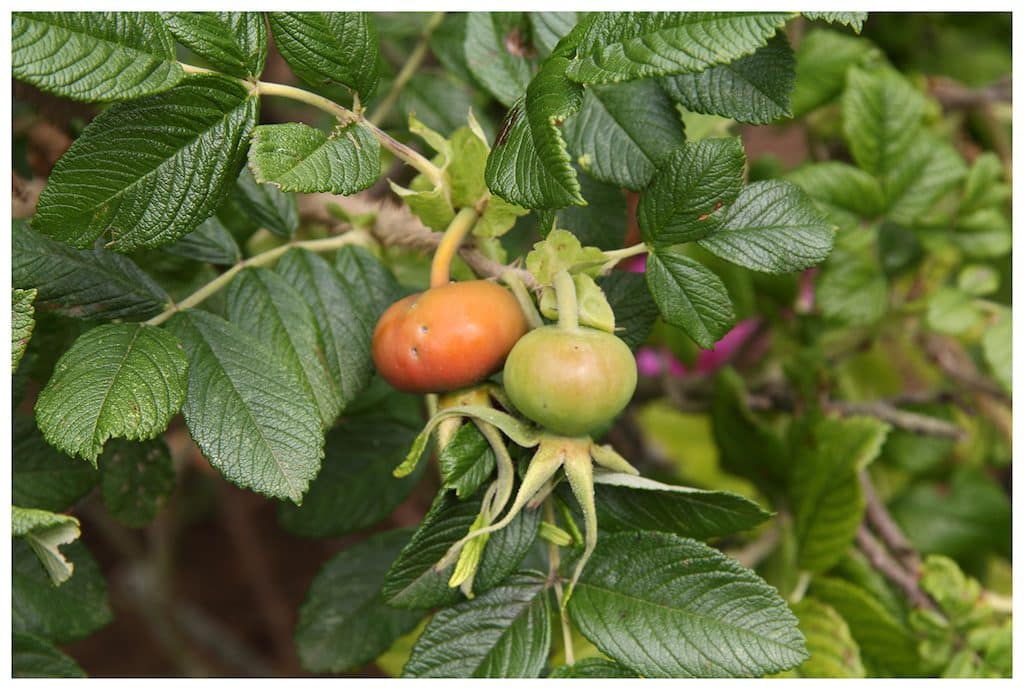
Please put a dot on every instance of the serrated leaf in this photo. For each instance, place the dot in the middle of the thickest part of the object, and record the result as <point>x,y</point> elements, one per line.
<point>601,223</point>
<point>34,657</point>
<point>81,283</point>
<point>985,186</point>
<point>623,131</point>
<point>504,633</point>
<point>845,193</point>
<point>299,158</point>
<point>671,607</point>
<point>272,311</point>
<point>684,200</point>
<point>23,322</point>
<point>928,169</point>
<point>984,234</point>
<point>529,165</point>
<point>834,652</point>
<point>232,42</point>
<point>326,48</point>
<point>754,89</point>
<point>773,227</point>
<point>689,296</point>
<point>635,310</point>
<point>344,622</point>
<point>490,39</point>
<point>62,614</point>
<point>46,532</point>
<point>346,304</point>
<point>136,480</point>
<point>94,56</point>
<point>354,489</point>
<point>822,60</point>
<point>210,242</point>
<point>437,99</point>
<point>852,288</point>
<point>42,477</point>
<point>854,20</point>
<point>147,172</point>
<point>594,667</point>
<point>884,641</point>
<point>412,582</point>
<point>249,414</point>
<point>952,311</point>
<point>621,46</point>
<point>116,381</point>
<point>828,502</point>
<point>266,204</point>
<point>997,347</point>
<point>882,115</point>
<point>626,502</point>
<point>466,461</point>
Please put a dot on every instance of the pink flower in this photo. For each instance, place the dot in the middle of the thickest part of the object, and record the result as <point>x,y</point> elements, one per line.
<point>658,360</point>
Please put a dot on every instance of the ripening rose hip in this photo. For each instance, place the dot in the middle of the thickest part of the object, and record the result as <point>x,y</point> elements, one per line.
<point>448,337</point>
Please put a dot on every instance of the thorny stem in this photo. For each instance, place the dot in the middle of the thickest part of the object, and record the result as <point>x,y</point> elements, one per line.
<point>408,69</point>
<point>220,282</point>
<point>458,229</point>
<point>565,293</point>
<point>554,561</point>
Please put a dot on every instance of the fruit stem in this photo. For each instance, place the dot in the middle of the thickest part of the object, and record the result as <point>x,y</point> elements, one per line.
<point>440,267</point>
<point>554,561</point>
<point>522,295</point>
<point>568,309</point>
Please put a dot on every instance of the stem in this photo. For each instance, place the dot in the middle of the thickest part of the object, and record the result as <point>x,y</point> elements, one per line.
<point>554,561</point>
<point>195,69</point>
<point>220,282</point>
<point>522,296</point>
<point>565,293</point>
<point>883,563</point>
<point>801,587</point>
<point>616,255</point>
<point>440,267</point>
<point>408,69</point>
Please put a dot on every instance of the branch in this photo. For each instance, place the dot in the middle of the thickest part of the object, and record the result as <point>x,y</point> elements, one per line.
<point>408,69</point>
<point>879,518</point>
<point>902,419</point>
<point>884,564</point>
<point>955,96</point>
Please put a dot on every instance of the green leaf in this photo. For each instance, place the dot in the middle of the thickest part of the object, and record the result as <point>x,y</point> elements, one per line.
<point>985,186</point>
<point>42,477</point>
<point>926,171</point>
<point>94,56</point>
<point>622,132</point>
<point>46,532</point>
<point>671,607</point>
<point>437,99</point>
<point>601,223</point>
<point>978,280</point>
<point>852,288</point>
<point>273,312</point>
<point>355,489</point>
<point>529,164</point>
<point>344,622</point>
<point>884,641</point>
<point>62,614</point>
<point>136,479</point>
<point>23,321</point>
<point>985,234</point>
<point>412,581</point>
<point>635,310</point>
<point>854,20</point>
<point>626,502</point>
<point>505,633</point>
<point>466,462</point>
<point>116,381</point>
<point>834,652</point>
<point>754,89</point>
<point>232,42</point>
<point>774,228</point>
<point>327,48</point>
<point>274,441</point>
<point>147,172</point>
<point>747,447</point>
<point>882,115</point>
<point>346,304</point>
<point>822,61</point>
<point>490,39</point>
<point>266,204</point>
<point>845,193</point>
<point>561,250</point>
<point>952,311</point>
<point>691,186</point>
<point>828,502</point>
<point>87,283</point>
<point>549,28</point>
<point>622,46</point>
<point>689,296</point>
<point>299,158</point>
<point>210,242</point>
<point>997,347</point>
<point>594,667</point>
<point>34,657</point>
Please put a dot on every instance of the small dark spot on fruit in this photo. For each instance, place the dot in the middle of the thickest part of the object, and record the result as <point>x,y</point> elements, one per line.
<point>414,352</point>
<point>424,328</point>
